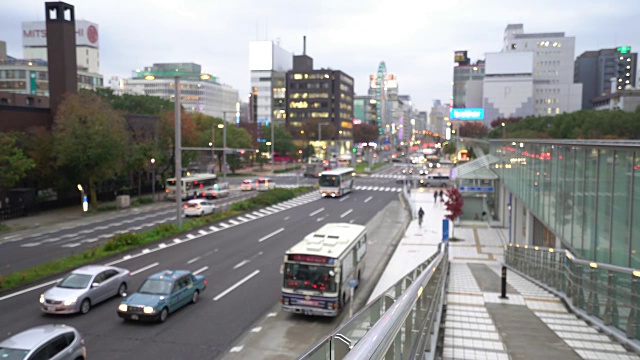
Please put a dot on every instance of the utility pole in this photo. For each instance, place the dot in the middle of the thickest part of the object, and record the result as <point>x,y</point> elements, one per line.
<point>178,152</point>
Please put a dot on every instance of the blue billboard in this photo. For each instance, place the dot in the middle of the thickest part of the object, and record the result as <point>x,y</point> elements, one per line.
<point>466,114</point>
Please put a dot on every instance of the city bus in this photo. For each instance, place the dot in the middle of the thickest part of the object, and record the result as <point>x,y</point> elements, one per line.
<point>191,185</point>
<point>320,273</point>
<point>337,182</point>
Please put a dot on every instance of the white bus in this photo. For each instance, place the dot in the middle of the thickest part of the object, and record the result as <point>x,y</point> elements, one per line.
<point>192,186</point>
<point>320,272</point>
<point>337,182</point>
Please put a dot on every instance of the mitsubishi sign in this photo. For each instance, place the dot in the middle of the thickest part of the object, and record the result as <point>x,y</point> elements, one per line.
<point>34,34</point>
<point>466,114</point>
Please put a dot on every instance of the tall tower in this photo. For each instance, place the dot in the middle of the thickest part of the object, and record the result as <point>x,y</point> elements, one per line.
<point>61,52</point>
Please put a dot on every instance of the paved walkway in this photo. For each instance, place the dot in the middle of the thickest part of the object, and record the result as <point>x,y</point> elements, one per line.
<point>531,324</point>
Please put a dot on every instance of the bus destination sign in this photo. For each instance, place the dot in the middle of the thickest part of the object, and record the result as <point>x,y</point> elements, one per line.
<point>311,258</point>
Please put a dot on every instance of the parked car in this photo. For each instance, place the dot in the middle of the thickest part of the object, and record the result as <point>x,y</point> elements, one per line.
<point>264,184</point>
<point>83,288</point>
<point>198,207</point>
<point>437,180</point>
<point>161,294</point>
<point>54,342</point>
<point>216,191</point>
<point>246,185</point>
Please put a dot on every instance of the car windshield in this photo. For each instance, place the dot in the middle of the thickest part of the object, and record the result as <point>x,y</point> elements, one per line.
<point>248,182</point>
<point>309,277</point>
<point>75,281</point>
<point>329,180</point>
<point>156,287</point>
<point>262,181</point>
<point>12,354</point>
<point>192,204</point>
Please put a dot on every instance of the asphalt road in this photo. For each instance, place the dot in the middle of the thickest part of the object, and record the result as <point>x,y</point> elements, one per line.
<point>19,252</point>
<point>240,258</point>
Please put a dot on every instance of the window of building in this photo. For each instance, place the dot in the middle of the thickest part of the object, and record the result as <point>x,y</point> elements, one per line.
<point>319,114</point>
<point>298,105</point>
<point>297,76</point>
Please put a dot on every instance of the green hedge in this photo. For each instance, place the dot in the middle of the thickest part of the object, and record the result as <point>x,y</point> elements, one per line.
<point>128,241</point>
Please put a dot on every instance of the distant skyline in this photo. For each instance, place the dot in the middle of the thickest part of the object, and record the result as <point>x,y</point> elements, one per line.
<point>416,40</point>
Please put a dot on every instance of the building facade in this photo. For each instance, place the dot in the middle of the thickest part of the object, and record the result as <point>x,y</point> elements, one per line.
<point>365,110</point>
<point>268,64</point>
<point>553,67</point>
<point>438,118</point>
<point>467,84</point>
<point>595,69</point>
<point>199,92</point>
<point>624,100</point>
<point>321,96</point>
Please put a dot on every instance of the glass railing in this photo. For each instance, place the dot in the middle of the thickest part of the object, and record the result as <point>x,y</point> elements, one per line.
<point>605,293</point>
<point>401,323</point>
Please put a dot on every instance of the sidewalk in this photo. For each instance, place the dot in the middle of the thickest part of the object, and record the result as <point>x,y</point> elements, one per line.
<point>531,324</point>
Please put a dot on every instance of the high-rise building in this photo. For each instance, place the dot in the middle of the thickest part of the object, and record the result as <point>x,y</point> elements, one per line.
<point>322,96</point>
<point>467,82</point>
<point>34,43</point>
<point>365,110</point>
<point>595,69</point>
<point>268,64</point>
<point>554,91</point>
<point>383,88</point>
<point>199,91</point>
<point>438,118</point>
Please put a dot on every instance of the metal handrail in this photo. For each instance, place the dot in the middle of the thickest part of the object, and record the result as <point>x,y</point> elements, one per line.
<point>376,342</point>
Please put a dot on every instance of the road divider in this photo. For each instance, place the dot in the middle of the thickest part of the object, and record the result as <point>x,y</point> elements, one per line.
<point>233,287</point>
<point>204,268</point>
<point>145,268</point>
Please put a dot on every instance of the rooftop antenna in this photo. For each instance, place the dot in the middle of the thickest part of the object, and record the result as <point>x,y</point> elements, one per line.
<point>304,45</point>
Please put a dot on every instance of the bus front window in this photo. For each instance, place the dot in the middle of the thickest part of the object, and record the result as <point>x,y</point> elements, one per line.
<point>309,277</point>
<point>329,180</point>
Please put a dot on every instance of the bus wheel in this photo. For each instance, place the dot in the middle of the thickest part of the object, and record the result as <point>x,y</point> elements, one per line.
<point>344,298</point>
<point>358,279</point>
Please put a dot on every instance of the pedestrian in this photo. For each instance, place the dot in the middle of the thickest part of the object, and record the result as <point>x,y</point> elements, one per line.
<point>441,196</point>
<point>435,196</point>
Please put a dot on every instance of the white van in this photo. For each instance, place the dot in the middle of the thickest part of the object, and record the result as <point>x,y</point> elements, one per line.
<point>437,180</point>
<point>264,184</point>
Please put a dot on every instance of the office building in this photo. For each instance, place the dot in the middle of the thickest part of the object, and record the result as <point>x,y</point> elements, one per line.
<point>438,118</point>
<point>199,91</point>
<point>268,64</point>
<point>467,82</point>
<point>552,70</point>
<point>365,110</point>
<point>595,69</point>
<point>322,96</point>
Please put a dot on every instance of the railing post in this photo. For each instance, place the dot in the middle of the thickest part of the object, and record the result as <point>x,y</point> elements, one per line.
<point>593,307</point>
<point>375,311</point>
<point>341,346</point>
<point>611,309</point>
<point>408,334</point>
<point>579,298</point>
<point>568,268</point>
<point>632,325</point>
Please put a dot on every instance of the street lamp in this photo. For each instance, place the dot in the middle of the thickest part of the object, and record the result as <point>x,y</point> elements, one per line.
<point>153,179</point>
<point>178,152</point>
<point>83,199</point>
<point>224,150</point>
<point>504,130</point>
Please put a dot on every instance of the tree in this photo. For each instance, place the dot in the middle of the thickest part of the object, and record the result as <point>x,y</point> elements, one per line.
<point>365,133</point>
<point>454,205</point>
<point>473,129</point>
<point>308,152</point>
<point>136,104</point>
<point>282,138</point>
<point>449,148</point>
<point>498,122</point>
<point>471,153</point>
<point>234,162</point>
<point>90,139</point>
<point>38,144</point>
<point>165,137</point>
<point>13,162</point>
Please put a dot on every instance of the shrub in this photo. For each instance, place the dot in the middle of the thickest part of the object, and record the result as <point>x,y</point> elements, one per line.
<point>145,200</point>
<point>122,241</point>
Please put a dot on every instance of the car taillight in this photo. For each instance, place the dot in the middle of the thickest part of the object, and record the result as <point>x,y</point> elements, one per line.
<point>167,191</point>
<point>185,206</point>
<point>205,282</point>
<point>213,193</point>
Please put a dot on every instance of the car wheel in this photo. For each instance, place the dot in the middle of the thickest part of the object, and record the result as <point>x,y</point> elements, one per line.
<point>164,314</point>
<point>85,306</point>
<point>195,297</point>
<point>122,289</point>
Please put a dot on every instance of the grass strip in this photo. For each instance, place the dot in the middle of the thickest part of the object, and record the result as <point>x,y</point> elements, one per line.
<point>128,241</point>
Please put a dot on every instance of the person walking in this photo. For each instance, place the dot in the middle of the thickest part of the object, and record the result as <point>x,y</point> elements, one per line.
<point>420,216</point>
<point>435,196</point>
<point>441,196</point>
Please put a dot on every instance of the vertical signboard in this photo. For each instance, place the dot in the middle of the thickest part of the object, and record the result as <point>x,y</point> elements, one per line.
<point>445,229</point>
<point>33,87</point>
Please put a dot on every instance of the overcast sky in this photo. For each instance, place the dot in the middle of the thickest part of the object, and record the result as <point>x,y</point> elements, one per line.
<point>415,38</point>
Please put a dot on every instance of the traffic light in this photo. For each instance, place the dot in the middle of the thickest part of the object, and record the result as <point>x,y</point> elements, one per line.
<point>624,71</point>
<point>354,150</point>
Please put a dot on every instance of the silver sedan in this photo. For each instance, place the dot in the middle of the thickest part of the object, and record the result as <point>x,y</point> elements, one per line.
<point>84,288</point>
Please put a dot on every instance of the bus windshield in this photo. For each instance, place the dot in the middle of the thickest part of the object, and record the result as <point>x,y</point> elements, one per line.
<point>329,180</point>
<point>309,277</point>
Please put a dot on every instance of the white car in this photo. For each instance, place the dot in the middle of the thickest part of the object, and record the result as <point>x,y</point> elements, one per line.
<point>198,207</point>
<point>264,184</point>
<point>246,185</point>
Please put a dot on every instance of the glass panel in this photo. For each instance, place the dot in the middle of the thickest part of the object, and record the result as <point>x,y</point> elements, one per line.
<point>620,213</point>
<point>566,195</point>
<point>545,183</point>
<point>588,223</point>
<point>635,242</point>
<point>578,201</point>
<point>603,221</point>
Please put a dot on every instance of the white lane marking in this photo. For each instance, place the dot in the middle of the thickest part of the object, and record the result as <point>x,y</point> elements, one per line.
<point>15,236</point>
<point>162,245</point>
<point>256,329</point>
<point>213,228</point>
<point>317,212</point>
<point>287,217</point>
<point>270,235</point>
<point>346,213</point>
<point>244,280</point>
<point>241,263</point>
<point>203,232</point>
<point>146,251</point>
<point>387,189</point>
<point>320,219</point>
<point>257,214</point>
<point>344,198</point>
<point>272,314</point>
<point>29,289</point>
<point>190,236</point>
<point>193,260</point>
<point>137,227</point>
<point>236,349</point>
<point>242,219</point>
<point>30,245</point>
<point>351,221</point>
<point>375,188</point>
<point>71,245</point>
<point>145,268</point>
<point>224,226</point>
<point>368,199</point>
<point>126,257</point>
<point>398,189</point>
<point>200,270</point>
<point>233,222</point>
<point>369,187</point>
<point>177,241</point>
<point>251,216</point>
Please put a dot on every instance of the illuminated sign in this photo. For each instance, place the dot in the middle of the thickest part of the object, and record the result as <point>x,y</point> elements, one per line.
<point>466,114</point>
<point>461,57</point>
<point>311,259</point>
<point>357,121</point>
<point>624,49</point>
<point>34,33</point>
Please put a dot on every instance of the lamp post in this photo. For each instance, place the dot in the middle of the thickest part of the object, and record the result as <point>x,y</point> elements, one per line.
<point>178,152</point>
<point>224,151</point>
<point>504,130</point>
<point>83,199</point>
<point>153,179</point>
